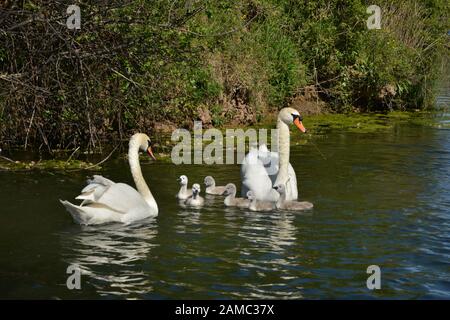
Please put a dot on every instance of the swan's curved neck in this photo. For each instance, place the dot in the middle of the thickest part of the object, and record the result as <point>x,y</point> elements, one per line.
<point>141,186</point>
<point>231,196</point>
<point>283,151</point>
<point>183,188</point>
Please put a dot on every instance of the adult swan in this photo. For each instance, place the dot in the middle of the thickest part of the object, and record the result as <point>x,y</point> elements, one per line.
<point>261,169</point>
<point>107,201</point>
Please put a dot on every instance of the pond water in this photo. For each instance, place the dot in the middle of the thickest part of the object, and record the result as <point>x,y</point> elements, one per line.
<point>380,199</point>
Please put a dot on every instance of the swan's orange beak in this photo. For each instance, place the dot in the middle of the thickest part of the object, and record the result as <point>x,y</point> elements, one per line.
<point>150,153</point>
<point>299,125</point>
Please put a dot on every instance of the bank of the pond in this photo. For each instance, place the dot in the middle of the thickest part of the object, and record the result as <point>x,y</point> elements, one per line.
<point>317,125</point>
<point>63,165</point>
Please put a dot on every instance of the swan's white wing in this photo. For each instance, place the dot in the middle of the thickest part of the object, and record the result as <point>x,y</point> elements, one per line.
<point>101,180</point>
<point>244,170</point>
<point>259,171</point>
<point>291,185</point>
<point>252,155</point>
<point>92,213</point>
<point>254,176</point>
<point>118,203</point>
<point>95,189</point>
<point>92,193</point>
<point>272,166</point>
<point>122,198</point>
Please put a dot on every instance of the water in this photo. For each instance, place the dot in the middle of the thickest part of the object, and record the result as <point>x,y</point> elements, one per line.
<point>380,199</point>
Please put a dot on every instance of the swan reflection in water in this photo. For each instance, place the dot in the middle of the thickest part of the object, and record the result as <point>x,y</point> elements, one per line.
<point>111,256</point>
<point>277,241</point>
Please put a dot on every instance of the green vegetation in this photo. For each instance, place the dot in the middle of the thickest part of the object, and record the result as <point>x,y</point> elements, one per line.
<point>365,123</point>
<point>47,165</point>
<point>318,126</point>
<point>155,65</point>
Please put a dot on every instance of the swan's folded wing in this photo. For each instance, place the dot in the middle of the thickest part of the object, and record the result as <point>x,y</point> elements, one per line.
<point>92,193</point>
<point>95,189</point>
<point>115,202</point>
<point>121,198</point>
<point>250,158</point>
<point>100,180</point>
<point>272,171</point>
<point>272,166</point>
<point>257,180</point>
<point>93,213</point>
<point>291,186</point>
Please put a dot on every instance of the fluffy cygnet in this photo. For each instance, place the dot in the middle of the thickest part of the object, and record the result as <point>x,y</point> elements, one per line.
<point>290,205</point>
<point>211,188</point>
<point>231,200</point>
<point>259,205</point>
<point>195,200</point>
<point>184,192</point>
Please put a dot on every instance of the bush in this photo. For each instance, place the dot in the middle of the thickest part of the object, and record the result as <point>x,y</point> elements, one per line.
<point>136,64</point>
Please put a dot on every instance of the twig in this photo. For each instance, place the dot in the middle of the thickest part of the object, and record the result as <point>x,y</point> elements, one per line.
<point>132,81</point>
<point>31,123</point>
<point>44,138</point>
<point>317,148</point>
<point>72,154</point>
<point>104,160</point>
<point>7,159</point>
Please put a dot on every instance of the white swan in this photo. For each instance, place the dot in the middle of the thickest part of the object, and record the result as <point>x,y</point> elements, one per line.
<point>107,201</point>
<point>211,187</point>
<point>184,192</point>
<point>259,205</point>
<point>195,200</point>
<point>231,200</point>
<point>284,204</point>
<point>261,169</point>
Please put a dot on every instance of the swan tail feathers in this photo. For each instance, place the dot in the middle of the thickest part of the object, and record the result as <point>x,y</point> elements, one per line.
<point>77,212</point>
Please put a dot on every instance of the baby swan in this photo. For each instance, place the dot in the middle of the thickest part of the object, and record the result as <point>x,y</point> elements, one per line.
<point>184,192</point>
<point>195,200</point>
<point>282,204</point>
<point>231,200</point>
<point>211,188</point>
<point>259,205</point>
